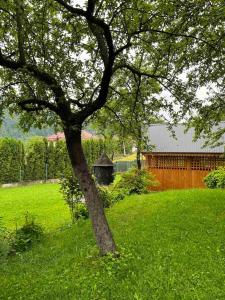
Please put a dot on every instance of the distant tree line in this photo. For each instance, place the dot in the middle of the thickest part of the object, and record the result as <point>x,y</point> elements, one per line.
<point>38,159</point>
<point>10,128</point>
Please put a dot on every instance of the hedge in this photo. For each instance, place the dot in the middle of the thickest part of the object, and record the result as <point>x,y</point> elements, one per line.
<point>38,159</point>
<point>35,158</point>
<point>11,160</point>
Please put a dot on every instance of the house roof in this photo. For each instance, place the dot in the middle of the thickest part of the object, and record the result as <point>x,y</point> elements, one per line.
<point>85,135</point>
<point>103,161</point>
<point>162,139</point>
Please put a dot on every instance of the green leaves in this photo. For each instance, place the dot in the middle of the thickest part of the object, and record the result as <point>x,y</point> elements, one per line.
<point>172,39</point>
<point>11,160</point>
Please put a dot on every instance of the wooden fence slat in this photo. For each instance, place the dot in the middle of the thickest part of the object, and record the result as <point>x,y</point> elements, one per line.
<point>182,171</point>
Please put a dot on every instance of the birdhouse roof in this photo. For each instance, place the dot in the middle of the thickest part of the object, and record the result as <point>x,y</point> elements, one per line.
<point>103,161</point>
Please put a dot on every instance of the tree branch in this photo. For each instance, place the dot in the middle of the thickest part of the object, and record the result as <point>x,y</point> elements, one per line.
<point>115,114</point>
<point>33,71</point>
<point>20,33</point>
<point>37,105</point>
<point>77,102</point>
<point>189,36</point>
<point>137,72</point>
<point>63,108</point>
<point>116,92</point>
<point>87,14</point>
<point>91,7</point>
<point>118,51</point>
<point>7,11</point>
<point>98,27</point>
<point>73,10</point>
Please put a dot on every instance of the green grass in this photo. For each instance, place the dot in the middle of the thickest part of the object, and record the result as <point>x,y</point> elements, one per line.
<point>172,245</point>
<point>130,157</point>
<point>42,200</point>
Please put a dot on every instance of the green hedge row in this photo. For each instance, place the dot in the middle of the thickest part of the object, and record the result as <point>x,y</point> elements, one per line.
<point>39,159</point>
<point>11,160</point>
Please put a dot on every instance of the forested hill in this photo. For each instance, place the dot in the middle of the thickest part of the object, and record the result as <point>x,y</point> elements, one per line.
<point>9,128</point>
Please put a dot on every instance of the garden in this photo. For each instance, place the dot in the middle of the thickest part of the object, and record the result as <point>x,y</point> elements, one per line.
<point>171,247</point>
<point>170,244</point>
<point>115,68</point>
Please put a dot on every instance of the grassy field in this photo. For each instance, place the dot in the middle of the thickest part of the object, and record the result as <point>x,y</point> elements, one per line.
<point>44,201</point>
<point>172,246</point>
<point>130,157</point>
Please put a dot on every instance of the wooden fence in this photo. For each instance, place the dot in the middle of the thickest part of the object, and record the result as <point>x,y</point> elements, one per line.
<point>180,171</point>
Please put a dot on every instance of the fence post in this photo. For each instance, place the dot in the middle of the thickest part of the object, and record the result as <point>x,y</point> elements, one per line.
<point>20,174</point>
<point>46,171</point>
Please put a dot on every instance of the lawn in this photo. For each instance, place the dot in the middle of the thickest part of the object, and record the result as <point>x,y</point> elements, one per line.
<point>44,201</point>
<point>172,246</point>
<point>130,157</point>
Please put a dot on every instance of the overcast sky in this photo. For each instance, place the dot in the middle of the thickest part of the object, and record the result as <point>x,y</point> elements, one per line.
<point>202,92</point>
<point>80,2</point>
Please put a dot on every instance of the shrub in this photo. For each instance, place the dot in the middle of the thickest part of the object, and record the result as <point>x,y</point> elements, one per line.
<point>109,195</point>
<point>72,194</point>
<point>105,196</point>
<point>135,181</point>
<point>24,237</point>
<point>4,244</point>
<point>81,211</point>
<point>216,179</point>
<point>117,195</point>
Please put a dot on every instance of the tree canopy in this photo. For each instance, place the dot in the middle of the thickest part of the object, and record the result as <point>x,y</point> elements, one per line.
<point>52,50</point>
<point>133,106</point>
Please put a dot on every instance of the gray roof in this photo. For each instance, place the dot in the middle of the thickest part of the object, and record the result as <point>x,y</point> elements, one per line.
<point>103,161</point>
<point>162,139</point>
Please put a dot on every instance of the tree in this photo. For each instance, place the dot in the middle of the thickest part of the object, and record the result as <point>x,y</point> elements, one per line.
<point>131,109</point>
<point>207,121</point>
<point>59,59</point>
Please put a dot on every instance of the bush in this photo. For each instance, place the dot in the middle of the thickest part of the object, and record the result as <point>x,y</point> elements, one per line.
<point>109,195</point>
<point>72,194</point>
<point>117,195</point>
<point>105,196</point>
<point>24,237</point>
<point>216,179</point>
<point>4,244</point>
<point>135,181</point>
<point>81,211</point>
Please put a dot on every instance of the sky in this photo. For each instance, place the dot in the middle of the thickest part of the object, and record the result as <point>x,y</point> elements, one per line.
<point>201,93</point>
<point>79,2</point>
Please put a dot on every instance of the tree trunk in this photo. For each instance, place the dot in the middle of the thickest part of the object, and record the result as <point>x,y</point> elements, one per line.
<point>124,149</point>
<point>139,144</point>
<point>100,225</point>
<point>138,157</point>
